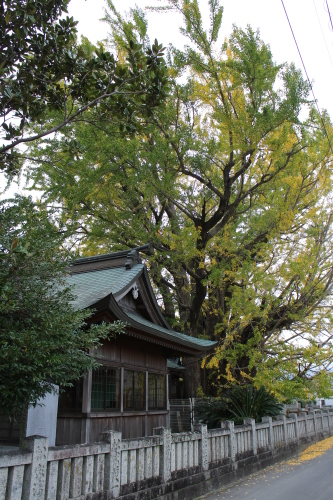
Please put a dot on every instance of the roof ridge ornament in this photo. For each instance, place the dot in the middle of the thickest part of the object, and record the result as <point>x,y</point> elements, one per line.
<point>133,256</point>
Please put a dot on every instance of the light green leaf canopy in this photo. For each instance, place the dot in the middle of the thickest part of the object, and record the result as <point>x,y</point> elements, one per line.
<point>229,181</point>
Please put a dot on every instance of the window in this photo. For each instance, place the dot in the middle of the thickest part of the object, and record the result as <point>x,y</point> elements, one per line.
<point>134,390</point>
<point>156,392</point>
<point>105,389</point>
<point>70,398</point>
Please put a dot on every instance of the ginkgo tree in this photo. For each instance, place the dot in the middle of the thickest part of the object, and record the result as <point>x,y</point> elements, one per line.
<point>229,181</point>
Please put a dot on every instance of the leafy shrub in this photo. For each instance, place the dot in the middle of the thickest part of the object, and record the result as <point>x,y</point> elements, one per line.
<point>237,404</point>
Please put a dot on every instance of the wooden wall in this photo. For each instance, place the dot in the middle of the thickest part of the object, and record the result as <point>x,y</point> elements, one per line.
<point>71,430</point>
<point>130,353</point>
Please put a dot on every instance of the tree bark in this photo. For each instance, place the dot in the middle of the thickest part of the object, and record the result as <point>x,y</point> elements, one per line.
<point>192,377</point>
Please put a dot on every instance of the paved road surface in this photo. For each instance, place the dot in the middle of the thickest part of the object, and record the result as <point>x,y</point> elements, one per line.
<point>310,480</point>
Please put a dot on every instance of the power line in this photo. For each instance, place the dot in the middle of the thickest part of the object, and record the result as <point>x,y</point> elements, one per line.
<point>329,13</point>
<point>307,76</point>
<point>322,32</point>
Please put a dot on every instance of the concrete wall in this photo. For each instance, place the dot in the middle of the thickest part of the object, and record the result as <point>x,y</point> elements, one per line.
<point>162,466</point>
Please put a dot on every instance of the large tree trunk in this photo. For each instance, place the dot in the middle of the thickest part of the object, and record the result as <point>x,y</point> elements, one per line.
<point>192,377</point>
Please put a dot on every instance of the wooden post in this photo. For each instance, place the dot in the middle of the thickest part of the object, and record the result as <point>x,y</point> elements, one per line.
<point>121,389</point>
<point>147,403</point>
<point>167,400</point>
<point>86,407</point>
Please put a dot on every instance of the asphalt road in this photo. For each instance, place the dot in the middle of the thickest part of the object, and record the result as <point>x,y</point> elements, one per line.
<point>310,480</point>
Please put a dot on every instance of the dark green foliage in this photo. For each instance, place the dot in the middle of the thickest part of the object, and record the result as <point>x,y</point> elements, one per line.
<point>237,404</point>
<point>43,70</point>
<point>42,338</point>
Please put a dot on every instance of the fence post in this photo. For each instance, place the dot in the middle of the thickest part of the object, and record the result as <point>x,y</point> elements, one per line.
<point>295,418</point>
<point>112,462</point>
<point>229,424</point>
<point>322,420</point>
<point>270,431</point>
<point>304,413</point>
<point>313,414</point>
<point>329,420</point>
<point>165,453</point>
<point>285,434</point>
<point>35,478</point>
<point>202,428</point>
<point>252,422</point>
<point>327,413</point>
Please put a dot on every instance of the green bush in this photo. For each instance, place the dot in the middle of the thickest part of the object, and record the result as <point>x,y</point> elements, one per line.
<point>237,404</point>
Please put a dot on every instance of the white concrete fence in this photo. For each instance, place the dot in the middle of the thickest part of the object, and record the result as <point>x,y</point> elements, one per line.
<point>115,464</point>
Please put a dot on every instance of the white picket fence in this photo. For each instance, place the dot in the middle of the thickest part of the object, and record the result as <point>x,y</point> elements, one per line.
<point>114,464</point>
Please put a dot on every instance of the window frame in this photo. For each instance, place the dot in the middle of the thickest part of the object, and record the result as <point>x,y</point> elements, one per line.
<point>133,407</point>
<point>105,368</point>
<point>156,407</point>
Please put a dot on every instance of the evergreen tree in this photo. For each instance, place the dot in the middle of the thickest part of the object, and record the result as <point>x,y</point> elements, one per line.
<point>43,340</point>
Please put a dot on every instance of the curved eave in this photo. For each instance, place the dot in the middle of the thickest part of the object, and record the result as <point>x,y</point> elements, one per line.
<point>166,339</point>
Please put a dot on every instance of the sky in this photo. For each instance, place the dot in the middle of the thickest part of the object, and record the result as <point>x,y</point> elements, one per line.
<point>309,19</point>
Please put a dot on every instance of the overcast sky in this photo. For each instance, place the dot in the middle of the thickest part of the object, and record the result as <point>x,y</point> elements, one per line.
<point>309,19</point>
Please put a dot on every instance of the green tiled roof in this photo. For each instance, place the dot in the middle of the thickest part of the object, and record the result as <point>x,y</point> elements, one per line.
<point>171,334</point>
<point>174,366</point>
<point>90,287</point>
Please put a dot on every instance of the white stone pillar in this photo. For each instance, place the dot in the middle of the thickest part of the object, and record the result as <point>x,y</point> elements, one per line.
<point>304,413</point>
<point>42,419</point>
<point>327,413</point>
<point>285,434</point>
<point>322,420</point>
<point>112,462</point>
<point>35,478</point>
<point>312,414</point>
<point>295,418</point>
<point>202,428</point>
<point>270,431</point>
<point>252,422</point>
<point>165,452</point>
<point>229,424</point>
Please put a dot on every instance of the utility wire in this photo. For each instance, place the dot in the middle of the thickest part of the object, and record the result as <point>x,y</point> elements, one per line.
<point>307,76</point>
<point>329,13</point>
<point>322,32</point>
